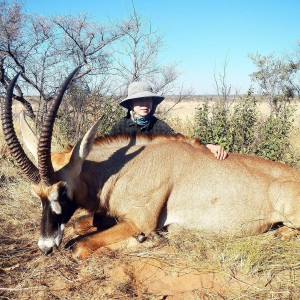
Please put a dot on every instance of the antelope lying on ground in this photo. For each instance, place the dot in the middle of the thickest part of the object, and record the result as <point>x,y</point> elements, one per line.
<point>151,182</point>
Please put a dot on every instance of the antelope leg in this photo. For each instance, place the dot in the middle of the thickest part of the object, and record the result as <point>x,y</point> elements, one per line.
<point>84,225</point>
<point>92,222</point>
<point>117,233</point>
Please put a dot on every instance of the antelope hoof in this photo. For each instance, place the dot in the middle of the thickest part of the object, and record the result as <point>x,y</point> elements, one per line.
<point>80,251</point>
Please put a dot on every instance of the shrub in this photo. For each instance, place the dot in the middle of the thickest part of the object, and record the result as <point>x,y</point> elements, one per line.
<point>243,130</point>
<point>273,136</point>
<point>242,125</point>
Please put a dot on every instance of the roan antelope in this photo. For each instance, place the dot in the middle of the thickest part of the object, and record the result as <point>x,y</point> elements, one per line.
<point>151,182</point>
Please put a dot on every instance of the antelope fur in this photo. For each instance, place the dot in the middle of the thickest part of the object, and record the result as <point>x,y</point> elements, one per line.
<point>166,180</point>
<point>162,180</point>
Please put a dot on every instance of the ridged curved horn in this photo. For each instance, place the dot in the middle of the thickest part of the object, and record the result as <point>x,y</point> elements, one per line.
<point>15,148</point>
<point>45,166</point>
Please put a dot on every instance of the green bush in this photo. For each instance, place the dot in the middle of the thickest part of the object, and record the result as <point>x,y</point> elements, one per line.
<point>234,129</point>
<point>242,129</point>
<point>242,125</point>
<point>273,136</point>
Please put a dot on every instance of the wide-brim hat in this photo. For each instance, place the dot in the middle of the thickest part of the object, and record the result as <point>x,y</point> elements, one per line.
<point>139,89</point>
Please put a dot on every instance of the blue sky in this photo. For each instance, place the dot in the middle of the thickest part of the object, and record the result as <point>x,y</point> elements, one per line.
<point>201,35</point>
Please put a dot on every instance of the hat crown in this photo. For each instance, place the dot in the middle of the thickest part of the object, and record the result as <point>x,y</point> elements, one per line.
<point>138,87</point>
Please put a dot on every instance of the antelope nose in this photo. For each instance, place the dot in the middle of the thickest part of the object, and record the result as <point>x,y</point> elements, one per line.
<point>46,245</point>
<point>47,250</point>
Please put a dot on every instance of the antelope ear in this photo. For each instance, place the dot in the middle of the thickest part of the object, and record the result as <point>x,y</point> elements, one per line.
<point>29,138</point>
<point>82,150</point>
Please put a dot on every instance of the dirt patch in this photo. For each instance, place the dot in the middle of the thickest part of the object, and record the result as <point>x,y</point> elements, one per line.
<point>26,274</point>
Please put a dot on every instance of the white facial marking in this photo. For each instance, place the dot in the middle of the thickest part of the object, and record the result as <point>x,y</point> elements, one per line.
<point>45,243</point>
<point>59,236</point>
<point>55,207</point>
<point>54,204</point>
<point>50,242</point>
<point>53,195</point>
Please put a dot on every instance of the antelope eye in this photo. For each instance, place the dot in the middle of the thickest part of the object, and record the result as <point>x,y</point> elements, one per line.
<point>63,196</point>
